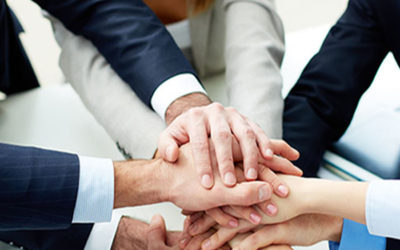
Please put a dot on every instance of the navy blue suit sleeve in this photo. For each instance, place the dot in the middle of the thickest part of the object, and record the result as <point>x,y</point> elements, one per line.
<point>129,35</point>
<point>321,105</point>
<point>38,188</point>
<point>74,237</point>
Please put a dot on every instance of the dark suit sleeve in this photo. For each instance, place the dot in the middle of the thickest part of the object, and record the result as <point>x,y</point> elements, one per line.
<point>321,105</point>
<point>38,188</point>
<point>129,35</point>
<point>73,237</point>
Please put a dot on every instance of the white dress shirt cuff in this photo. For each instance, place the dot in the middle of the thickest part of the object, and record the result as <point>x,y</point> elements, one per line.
<point>95,199</point>
<point>173,88</point>
<point>382,208</point>
<point>103,234</point>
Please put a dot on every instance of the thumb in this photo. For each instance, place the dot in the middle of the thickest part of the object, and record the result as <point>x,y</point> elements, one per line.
<point>156,233</point>
<point>168,147</point>
<point>247,193</point>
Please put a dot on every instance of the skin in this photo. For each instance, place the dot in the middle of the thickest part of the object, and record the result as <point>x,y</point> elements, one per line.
<point>153,181</point>
<point>195,119</point>
<point>318,202</point>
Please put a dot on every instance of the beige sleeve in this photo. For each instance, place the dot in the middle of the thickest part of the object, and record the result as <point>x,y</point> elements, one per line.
<point>253,53</point>
<point>112,102</point>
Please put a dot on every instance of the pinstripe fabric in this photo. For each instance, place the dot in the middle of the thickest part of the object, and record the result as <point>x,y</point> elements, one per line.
<point>38,188</point>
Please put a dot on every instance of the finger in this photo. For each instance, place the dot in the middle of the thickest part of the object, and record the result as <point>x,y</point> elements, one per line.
<point>224,235</point>
<point>262,141</point>
<point>187,212</point>
<point>277,247</point>
<point>219,238</point>
<point>185,236</point>
<point>156,233</point>
<point>268,207</point>
<point>168,148</point>
<point>195,242</point>
<point>200,149</point>
<point>280,187</point>
<point>222,218</point>
<point>282,148</point>
<point>248,213</point>
<point>222,139</point>
<point>195,216</point>
<point>261,238</point>
<point>243,194</point>
<point>282,165</point>
<point>247,140</point>
<point>201,225</point>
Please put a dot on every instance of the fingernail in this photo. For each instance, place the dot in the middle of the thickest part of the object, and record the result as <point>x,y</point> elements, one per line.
<point>283,190</point>
<point>272,209</point>
<point>229,179</point>
<point>233,223</point>
<point>252,173</point>
<point>269,152</point>
<point>206,244</point>
<point>206,181</point>
<point>264,193</point>
<point>255,218</point>
<point>183,242</point>
<point>170,152</point>
<point>192,229</point>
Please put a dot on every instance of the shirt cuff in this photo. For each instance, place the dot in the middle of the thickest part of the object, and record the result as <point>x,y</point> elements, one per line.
<point>356,236</point>
<point>95,199</point>
<point>102,234</point>
<point>382,208</point>
<point>173,88</point>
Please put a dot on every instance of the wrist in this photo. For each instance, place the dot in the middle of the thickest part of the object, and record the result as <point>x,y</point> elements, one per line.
<point>137,183</point>
<point>184,103</point>
<point>334,229</point>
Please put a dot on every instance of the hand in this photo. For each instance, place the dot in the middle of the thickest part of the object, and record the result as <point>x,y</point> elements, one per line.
<point>157,236</point>
<point>275,210</point>
<point>177,185</point>
<point>132,234</point>
<point>304,230</point>
<point>222,124</point>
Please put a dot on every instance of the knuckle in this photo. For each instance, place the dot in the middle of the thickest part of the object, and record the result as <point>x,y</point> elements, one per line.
<point>223,135</point>
<point>249,133</point>
<point>217,106</point>
<point>195,112</point>
<point>231,110</point>
<point>200,146</point>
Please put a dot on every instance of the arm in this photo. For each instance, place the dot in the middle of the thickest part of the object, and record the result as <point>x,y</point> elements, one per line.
<point>254,48</point>
<point>130,37</point>
<point>320,106</point>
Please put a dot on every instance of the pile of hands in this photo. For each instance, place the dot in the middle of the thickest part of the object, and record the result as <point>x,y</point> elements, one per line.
<point>242,192</point>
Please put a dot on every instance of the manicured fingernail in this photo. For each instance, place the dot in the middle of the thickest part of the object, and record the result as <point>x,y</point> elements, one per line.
<point>252,173</point>
<point>233,223</point>
<point>264,193</point>
<point>206,181</point>
<point>229,179</point>
<point>206,244</point>
<point>255,218</point>
<point>283,190</point>
<point>272,209</point>
<point>269,152</point>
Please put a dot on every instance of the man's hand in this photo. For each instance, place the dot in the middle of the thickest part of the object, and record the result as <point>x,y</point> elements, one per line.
<point>223,125</point>
<point>157,236</point>
<point>177,181</point>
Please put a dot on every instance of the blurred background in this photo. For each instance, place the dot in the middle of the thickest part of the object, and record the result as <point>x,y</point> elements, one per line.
<point>43,50</point>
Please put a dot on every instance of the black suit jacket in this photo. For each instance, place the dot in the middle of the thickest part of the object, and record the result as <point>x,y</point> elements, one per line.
<point>319,108</point>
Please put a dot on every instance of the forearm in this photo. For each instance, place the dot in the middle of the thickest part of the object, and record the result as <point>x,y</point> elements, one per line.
<point>344,199</point>
<point>138,183</point>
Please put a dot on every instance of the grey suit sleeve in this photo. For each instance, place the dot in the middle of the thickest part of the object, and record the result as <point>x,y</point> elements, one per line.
<point>253,53</point>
